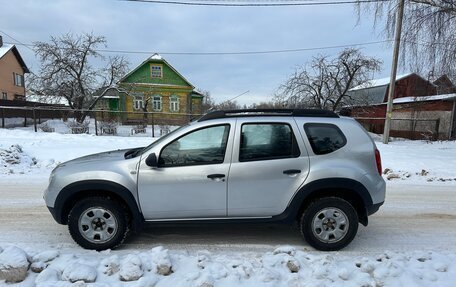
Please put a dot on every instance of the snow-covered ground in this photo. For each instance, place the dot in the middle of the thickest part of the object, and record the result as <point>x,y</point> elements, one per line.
<point>418,161</point>
<point>410,242</point>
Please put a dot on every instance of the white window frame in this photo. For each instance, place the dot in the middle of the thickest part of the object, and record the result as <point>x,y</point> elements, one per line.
<point>4,95</point>
<point>174,104</point>
<point>154,72</point>
<point>138,102</point>
<point>157,103</point>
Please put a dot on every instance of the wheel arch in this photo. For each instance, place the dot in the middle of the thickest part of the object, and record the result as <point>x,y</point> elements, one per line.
<point>348,189</point>
<point>70,194</point>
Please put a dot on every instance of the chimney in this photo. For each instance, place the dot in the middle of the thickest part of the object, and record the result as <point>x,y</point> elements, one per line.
<point>1,41</point>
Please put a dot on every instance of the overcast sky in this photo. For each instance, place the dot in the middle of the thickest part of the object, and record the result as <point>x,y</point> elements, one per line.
<point>163,28</point>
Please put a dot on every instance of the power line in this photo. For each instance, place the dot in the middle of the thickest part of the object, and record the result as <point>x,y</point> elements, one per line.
<point>228,53</point>
<point>19,42</point>
<point>251,4</point>
<point>259,1</point>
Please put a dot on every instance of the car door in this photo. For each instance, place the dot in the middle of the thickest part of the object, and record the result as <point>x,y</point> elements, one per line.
<point>190,180</point>
<point>269,164</point>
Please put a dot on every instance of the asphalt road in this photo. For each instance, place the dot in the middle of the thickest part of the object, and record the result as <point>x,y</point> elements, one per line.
<point>414,217</point>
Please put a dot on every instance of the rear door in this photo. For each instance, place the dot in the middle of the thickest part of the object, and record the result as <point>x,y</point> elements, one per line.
<point>269,164</point>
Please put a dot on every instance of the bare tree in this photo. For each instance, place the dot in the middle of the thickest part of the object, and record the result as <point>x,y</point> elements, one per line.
<point>324,82</point>
<point>265,105</point>
<point>228,105</point>
<point>208,102</point>
<point>68,70</point>
<point>428,41</point>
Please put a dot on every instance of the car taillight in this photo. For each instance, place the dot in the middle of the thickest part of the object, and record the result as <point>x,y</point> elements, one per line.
<point>378,160</point>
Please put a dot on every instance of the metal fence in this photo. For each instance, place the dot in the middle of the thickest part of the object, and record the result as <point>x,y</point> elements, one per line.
<point>421,129</point>
<point>98,122</point>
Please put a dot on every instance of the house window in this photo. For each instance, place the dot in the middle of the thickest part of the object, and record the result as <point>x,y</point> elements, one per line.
<point>18,80</point>
<point>138,102</point>
<point>174,104</point>
<point>157,103</point>
<point>4,96</point>
<point>19,97</point>
<point>156,71</point>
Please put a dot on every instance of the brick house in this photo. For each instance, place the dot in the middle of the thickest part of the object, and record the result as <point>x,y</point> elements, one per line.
<point>12,70</point>
<point>421,108</point>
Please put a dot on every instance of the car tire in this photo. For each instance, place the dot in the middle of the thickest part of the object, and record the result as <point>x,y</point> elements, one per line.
<point>329,223</point>
<point>98,223</point>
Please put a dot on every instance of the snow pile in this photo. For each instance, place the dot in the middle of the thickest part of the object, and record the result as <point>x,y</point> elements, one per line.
<point>14,160</point>
<point>13,264</point>
<point>24,151</point>
<point>284,266</point>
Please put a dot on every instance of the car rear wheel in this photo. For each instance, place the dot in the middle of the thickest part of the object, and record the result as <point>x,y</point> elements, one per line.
<point>98,223</point>
<point>329,223</point>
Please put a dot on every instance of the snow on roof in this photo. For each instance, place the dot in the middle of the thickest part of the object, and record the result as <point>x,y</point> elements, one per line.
<point>156,56</point>
<point>379,82</point>
<point>47,100</point>
<point>424,98</point>
<point>4,49</point>
<point>110,97</point>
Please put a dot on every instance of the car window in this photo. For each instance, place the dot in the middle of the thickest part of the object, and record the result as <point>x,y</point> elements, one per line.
<point>324,138</point>
<point>161,139</point>
<point>203,146</point>
<point>267,141</point>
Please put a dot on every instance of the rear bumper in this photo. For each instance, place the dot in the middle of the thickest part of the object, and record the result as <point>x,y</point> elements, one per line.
<point>374,208</point>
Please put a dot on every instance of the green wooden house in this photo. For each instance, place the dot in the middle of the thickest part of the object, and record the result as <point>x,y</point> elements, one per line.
<point>156,87</point>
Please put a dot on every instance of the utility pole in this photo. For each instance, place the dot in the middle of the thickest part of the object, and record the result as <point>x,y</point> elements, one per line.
<point>397,43</point>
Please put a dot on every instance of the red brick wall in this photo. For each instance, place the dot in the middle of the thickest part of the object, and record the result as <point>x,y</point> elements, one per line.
<point>426,106</point>
<point>378,111</point>
<point>412,86</point>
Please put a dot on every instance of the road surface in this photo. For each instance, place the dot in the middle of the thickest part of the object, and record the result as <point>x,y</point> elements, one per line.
<point>414,217</point>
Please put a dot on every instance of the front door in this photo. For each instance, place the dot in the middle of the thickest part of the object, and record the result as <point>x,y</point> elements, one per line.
<point>268,167</point>
<point>191,180</point>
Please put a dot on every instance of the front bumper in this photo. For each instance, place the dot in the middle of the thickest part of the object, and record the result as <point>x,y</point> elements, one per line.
<point>56,214</point>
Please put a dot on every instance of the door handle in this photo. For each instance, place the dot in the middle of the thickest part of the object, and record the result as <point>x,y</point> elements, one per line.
<point>291,171</point>
<point>216,176</point>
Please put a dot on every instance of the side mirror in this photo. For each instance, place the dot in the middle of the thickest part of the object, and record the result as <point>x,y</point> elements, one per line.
<point>151,160</point>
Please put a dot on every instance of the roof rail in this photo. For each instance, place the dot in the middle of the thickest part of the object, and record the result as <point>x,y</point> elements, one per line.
<point>268,112</point>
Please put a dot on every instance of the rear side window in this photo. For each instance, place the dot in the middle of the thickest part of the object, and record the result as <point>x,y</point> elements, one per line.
<point>324,138</point>
<point>267,141</point>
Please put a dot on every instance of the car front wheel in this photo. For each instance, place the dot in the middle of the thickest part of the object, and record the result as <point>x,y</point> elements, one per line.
<point>329,223</point>
<point>98,223</point>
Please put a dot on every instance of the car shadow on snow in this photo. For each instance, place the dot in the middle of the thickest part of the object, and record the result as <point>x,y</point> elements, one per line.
<point>211,235</point>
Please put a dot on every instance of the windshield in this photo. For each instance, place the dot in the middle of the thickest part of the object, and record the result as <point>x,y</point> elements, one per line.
<point>162,138</point>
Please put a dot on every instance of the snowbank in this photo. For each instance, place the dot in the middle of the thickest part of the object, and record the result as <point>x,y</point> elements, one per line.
<point>285,266</point>
<point>419,162</point>
<point>27,152</point>
<point>14,160</point>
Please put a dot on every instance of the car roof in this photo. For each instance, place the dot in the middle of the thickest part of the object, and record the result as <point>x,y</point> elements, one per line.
<point>219,114</point>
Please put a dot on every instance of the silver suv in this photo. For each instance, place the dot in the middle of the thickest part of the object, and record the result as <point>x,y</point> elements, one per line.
<point>307,166</point>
